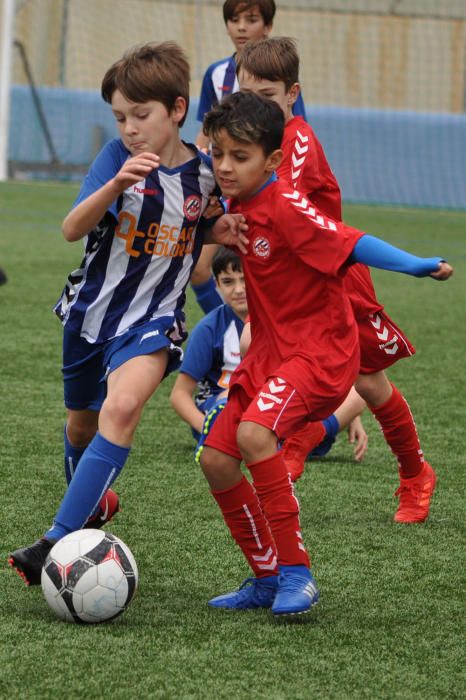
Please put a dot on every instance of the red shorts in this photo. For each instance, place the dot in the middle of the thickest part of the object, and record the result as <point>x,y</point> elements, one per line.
<point>277,406</point>
<point>382,343</point>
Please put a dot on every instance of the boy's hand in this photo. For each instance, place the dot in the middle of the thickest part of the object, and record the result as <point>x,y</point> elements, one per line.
<point>443,273</point>
<point>214,208</point>
<point>230,229</point>
<point>357,436</point>
<point>135,169</point>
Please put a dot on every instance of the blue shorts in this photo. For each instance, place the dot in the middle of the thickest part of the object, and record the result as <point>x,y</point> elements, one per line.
<point>86,366</point>
<point>206,406</point>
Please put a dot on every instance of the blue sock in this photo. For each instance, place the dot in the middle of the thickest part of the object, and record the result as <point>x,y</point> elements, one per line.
<point>332,426</point>
<point>99,466</point>
<point>207,295</point>
<point>72,457</point>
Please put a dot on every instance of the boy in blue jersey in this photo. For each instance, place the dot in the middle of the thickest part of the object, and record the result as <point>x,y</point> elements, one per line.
<point>140,211</point>
<point>245,20</point>
<point>213,352</point>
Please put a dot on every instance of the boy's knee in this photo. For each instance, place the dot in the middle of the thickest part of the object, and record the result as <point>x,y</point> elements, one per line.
<point>123,410</point>
<point>211,462</point>
<point>374,388</point>
<point>80,429</point>
<point>255,441</point>
<point>220,470</point>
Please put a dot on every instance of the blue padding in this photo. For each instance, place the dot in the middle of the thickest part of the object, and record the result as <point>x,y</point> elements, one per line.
<point>378,156</point>
<point>395,157</point>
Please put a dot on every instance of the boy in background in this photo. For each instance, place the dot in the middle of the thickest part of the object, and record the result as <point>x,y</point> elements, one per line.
<point>140,213</point>
<point>304,354</point>
<point>245,20</point>
<point>270,68</point>
<point>212,353</point>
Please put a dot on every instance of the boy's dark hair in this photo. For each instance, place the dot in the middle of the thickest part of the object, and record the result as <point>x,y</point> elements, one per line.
<point>271,59</point>
<point>150,72</point>
<point>267,9</point>
<point>223,258</point>
<point>248,118</point>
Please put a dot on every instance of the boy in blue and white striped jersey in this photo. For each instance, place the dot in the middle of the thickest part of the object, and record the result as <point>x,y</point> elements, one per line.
<point>140,211</point>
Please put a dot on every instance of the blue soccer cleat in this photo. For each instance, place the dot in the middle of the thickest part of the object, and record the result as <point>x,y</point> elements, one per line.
<point>297,591</point>
<point>253,593</point>
<point>322,448</point>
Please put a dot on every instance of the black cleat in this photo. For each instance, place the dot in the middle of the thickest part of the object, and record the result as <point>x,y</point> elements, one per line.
<point>28,561</point>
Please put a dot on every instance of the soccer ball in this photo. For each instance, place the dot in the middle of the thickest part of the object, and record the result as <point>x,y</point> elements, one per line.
<point>89,576</point>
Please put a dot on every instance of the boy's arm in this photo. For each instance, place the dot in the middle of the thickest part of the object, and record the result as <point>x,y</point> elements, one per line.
<point>88,213</point>
<point>197,363</point>
<point>245,339</point>
<point>228,230</point>
<point>182,400</point>
<point>377,253</point>
<point>329,246</point>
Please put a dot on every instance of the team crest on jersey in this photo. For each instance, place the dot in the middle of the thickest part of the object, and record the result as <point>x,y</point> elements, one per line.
<point>261,247</point>
<point>192,207</point>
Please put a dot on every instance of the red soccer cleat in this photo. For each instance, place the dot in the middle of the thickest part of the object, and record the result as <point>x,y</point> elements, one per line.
<point>415,496</point>
<point>108,506</point>
<point>296,448</point>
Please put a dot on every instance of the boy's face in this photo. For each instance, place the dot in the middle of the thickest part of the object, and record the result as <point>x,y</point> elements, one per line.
<point>247,25</point>
<point>273,89</point>
<point>232,287</point>
<point>145,126</point>
<point>241,168</point>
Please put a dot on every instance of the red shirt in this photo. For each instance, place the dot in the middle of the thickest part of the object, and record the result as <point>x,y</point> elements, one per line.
<point>305,167</point>
<point>301,318</point>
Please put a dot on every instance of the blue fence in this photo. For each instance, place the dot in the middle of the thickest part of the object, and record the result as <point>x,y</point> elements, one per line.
<point>378,156</point>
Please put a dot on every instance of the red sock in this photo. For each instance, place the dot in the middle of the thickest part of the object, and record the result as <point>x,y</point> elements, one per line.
<point>280,505</point>
<point>399,430</point>
<point>242,513</point>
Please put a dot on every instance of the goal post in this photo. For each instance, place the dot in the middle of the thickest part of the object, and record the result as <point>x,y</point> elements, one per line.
<point>6,50</point>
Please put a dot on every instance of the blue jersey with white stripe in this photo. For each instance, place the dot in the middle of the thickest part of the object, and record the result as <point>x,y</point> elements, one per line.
<point>139,259</point>
<point>212,354</point>
<point>220,80</point>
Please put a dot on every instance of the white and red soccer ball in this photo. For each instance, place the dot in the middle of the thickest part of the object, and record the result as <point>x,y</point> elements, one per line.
<point>89,576</point>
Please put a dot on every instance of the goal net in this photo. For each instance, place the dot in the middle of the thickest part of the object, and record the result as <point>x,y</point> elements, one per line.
<point>383,82</point>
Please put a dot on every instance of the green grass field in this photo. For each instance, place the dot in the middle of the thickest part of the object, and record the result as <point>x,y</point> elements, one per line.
<point>391,621</point>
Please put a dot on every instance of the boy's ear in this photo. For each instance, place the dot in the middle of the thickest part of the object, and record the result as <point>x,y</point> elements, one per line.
<point>179,109</point>
<point>274,160</point>
<point>293,93</point>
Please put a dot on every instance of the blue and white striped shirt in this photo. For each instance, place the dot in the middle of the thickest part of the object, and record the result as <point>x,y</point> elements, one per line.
<point>138,261</point>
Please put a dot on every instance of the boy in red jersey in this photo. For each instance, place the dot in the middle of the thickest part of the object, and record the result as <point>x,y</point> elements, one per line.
<point>270,67</point>
<point>304,354</point>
